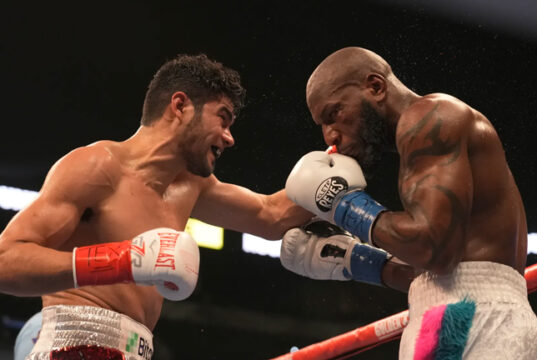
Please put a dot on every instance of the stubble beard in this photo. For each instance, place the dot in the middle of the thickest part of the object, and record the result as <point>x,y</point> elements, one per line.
<point>192,147</point>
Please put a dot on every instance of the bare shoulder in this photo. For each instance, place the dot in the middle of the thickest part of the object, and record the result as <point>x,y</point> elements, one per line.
<point>92,160</point>
<point>91,170</point>
<point>435,113</point>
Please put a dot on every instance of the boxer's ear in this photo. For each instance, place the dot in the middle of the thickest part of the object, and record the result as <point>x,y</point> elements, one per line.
<point>376,85</point>
<point>179,104</point>
<point>178,101</point>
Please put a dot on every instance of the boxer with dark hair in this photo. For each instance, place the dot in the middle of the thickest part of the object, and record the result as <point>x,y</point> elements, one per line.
<point>104,241</point>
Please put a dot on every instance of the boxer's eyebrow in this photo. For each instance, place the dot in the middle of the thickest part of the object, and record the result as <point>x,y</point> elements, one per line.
<point>326,117</point>
<point>228,114</point>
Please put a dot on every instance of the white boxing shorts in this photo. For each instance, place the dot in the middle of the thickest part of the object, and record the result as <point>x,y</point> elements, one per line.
<point>88,332</point>
<point>479,311</point>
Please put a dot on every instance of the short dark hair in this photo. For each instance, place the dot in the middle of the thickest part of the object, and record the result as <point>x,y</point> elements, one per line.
<point>201,78</point>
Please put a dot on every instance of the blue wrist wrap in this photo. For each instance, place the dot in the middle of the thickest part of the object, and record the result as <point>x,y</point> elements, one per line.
<point>356,213</point>
<point>366,264</point>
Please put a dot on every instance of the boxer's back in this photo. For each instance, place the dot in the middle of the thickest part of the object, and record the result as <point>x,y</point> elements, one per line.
<point>131,208</point>
<point>497,229</point>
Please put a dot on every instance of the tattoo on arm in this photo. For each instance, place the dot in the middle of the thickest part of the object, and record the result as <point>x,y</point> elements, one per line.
<point>424,140</point>
<point>414,130</point>
<point>456,220</point>
<point>437,146</point>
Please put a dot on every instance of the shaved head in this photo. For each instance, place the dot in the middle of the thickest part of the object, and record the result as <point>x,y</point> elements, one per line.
<point>350,65</point>
<point>345,95</point>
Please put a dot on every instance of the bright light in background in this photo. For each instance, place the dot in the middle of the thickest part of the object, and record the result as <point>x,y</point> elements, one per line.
<point>206,235</point>
<point>15,199</point>
<point>532,243</point>
<point>256,245</point>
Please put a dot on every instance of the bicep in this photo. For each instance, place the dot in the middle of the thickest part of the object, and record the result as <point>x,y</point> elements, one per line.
<point>47,221</point>
<point>435,176</point>
<point>75,183</point>
<point>438,196</point>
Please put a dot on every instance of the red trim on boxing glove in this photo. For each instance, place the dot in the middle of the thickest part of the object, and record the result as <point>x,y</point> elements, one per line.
<point>103,264</point>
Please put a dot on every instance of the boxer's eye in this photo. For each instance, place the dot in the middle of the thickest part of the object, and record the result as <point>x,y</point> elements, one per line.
<point>334,112</point>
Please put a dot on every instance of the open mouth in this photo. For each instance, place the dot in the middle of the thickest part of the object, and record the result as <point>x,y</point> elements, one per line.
<point>216,151</point>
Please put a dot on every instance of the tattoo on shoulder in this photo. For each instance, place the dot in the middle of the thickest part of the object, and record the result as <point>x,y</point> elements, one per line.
<point>431,139</point>
<point>425,139</point>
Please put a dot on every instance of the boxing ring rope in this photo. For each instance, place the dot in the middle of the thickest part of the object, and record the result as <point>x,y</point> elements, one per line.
<point>369,336</point>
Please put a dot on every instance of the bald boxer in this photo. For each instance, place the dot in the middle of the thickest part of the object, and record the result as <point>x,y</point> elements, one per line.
<point>104,241</point>
<point>463,225</point>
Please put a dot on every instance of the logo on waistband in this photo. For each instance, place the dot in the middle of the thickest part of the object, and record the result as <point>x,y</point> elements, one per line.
<point>138,345</point>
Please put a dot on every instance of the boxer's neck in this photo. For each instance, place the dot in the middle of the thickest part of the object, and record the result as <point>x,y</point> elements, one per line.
<point>399,99</point>
<point>153,152</point>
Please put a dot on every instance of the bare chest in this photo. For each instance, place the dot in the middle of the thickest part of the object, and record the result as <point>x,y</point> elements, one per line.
<point>134,208</point>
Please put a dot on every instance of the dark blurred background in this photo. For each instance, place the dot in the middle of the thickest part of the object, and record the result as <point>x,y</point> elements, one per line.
<point>76,72</point>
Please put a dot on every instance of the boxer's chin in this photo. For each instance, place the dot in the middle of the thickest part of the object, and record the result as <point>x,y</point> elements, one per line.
<point>200,167</point>
<point>203,171</point>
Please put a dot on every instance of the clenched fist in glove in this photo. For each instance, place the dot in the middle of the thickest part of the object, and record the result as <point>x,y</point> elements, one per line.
<point>322,251</point>
<point>332,187</point>
<point>163,257</point>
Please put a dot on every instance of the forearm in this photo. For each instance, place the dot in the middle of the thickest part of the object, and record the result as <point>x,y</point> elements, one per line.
<point>398,275</point>
<point>285,214</point>
<point>28,269</point>
<point>398,233</point>
<point>422,243</point>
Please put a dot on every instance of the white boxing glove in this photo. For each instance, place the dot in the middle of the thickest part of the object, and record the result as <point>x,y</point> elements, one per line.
<point>323,251</point>
<point>163,257</point>
<point>171,262</point>
<point>310,254</point>
<point>319,180</point>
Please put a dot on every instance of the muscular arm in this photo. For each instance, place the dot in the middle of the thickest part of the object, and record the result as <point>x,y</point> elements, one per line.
<point>30,264</point>
<point>240,209</point>
<point>435,186</point>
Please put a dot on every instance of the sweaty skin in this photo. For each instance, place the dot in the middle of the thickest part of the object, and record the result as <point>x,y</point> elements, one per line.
<point>460,201</point>
<point>112,191</point>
